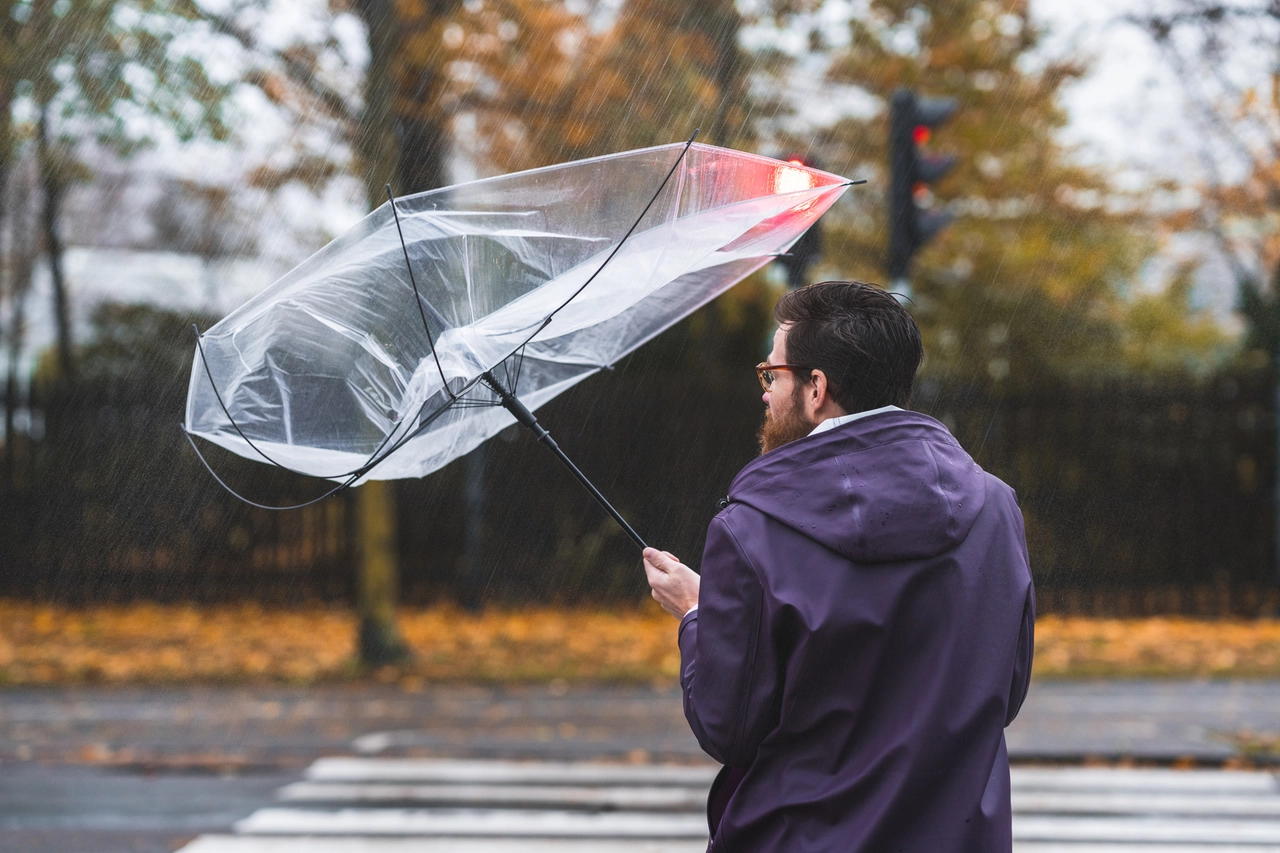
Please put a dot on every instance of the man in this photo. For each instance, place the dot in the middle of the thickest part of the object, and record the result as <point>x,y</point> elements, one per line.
<point>862,630</point>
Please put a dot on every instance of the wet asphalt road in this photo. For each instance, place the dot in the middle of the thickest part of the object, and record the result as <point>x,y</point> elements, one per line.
<point>281,727</point>
<point>85,808</point>
<point>144,769</point>
<point>141,770</point>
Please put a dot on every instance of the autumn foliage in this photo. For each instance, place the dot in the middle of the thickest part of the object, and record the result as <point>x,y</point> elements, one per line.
<point>150,643</point>
<point>1162,647</point>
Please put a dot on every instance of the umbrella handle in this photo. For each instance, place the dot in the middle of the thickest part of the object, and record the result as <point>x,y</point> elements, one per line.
<point>526,418</point>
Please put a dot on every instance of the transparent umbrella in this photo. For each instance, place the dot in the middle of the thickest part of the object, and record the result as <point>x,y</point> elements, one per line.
<point>441,318</point>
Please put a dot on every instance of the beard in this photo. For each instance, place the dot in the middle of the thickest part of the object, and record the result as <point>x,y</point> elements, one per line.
<point>787,427</point>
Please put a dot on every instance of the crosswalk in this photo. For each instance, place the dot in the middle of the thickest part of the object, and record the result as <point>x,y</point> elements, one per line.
<point>387,805</point>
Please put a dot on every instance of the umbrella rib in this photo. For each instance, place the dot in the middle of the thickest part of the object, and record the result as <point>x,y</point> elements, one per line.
<point>515,386</point>
<point>508,398</point>
<point>335,490</point>
<point>341,487</point>
<point>358,472</point>
<point>417,297</point>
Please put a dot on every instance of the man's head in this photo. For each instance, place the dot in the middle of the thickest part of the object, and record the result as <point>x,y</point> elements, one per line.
<point>852,348</point>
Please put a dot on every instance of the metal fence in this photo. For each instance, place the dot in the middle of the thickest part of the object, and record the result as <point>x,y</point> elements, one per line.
<point>1140,496</point>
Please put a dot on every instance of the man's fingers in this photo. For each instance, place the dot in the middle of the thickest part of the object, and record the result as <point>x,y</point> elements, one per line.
<point>663,561</point>
<point>660,560</point>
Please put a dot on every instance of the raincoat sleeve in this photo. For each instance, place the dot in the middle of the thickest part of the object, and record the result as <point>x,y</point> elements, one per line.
<point>728,678</point>
<point>1023,657</point>
<point>1027,632</point>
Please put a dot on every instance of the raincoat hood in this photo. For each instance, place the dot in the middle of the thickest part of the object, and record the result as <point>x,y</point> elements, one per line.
<point>885,488</point>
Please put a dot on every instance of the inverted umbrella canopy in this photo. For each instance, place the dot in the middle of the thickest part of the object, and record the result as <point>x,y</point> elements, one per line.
<point>359,365</point>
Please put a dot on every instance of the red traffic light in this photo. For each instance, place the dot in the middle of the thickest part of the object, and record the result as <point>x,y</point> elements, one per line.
<point>921,134</point>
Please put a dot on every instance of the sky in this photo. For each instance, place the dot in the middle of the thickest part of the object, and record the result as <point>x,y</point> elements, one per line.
<point>1129,111</point>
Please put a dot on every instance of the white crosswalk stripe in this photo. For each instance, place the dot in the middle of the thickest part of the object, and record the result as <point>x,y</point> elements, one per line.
<point>383,805</point>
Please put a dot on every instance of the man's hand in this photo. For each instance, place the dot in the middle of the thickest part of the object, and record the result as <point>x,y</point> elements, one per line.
<point>675,585</point>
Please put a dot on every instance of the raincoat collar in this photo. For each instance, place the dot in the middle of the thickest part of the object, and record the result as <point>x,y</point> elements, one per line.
<point>832,423</point>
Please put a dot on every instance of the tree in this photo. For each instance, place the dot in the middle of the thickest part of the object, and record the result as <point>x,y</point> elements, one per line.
<point>403,134</point>
<point>544,87</point>
<point>391,129</point>
<point>202,220</point>
<point>21,247</point>
<point>1030,277</point>
<point>1235,110</point>
<point>89,70</point>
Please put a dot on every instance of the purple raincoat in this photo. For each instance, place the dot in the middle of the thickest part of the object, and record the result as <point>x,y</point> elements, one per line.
<point>863,636</point>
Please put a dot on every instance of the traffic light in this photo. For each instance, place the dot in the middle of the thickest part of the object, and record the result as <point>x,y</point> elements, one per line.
<point>911,121</point>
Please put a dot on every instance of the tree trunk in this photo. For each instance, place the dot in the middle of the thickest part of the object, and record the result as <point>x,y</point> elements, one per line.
<point>12,391</point>
<point>403,140</point>
<point>422,145</point>
<point>379,581</point>
<point>9,287</point>
<point>473,501</point>
<point>375,141</point>
<point>10,445</point>
<point>423,148</point>
<point>378,584</point>
<point>719,22</point>
<point>51,182</point>
<point>422,124</point>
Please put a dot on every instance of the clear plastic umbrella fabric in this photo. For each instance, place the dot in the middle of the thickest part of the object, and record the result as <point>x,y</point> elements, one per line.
<point>331,368</point>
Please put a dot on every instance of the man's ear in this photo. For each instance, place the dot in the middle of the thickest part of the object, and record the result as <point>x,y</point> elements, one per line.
<point>817,391</point>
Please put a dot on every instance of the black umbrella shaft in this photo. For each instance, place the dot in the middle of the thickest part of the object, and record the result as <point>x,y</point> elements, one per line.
<point>522,414</point>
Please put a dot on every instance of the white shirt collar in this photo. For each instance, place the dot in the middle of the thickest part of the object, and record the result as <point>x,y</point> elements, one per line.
<point>832,423</point>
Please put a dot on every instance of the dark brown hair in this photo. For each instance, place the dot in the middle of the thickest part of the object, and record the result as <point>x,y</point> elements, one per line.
<point>859,336</point>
